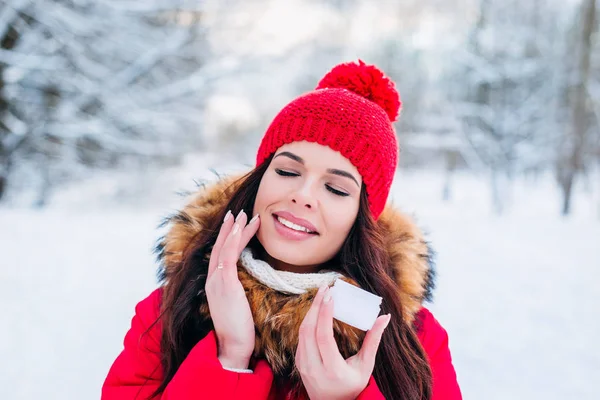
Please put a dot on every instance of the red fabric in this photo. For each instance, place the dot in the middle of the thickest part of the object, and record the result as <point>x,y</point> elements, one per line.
<point>367,81</point>
<point>434,339</point>
<point>136,372</point>
<point>351,111</point>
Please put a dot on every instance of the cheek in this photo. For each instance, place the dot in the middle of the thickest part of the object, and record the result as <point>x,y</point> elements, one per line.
<point>340,217</point>
<point>268,193</point>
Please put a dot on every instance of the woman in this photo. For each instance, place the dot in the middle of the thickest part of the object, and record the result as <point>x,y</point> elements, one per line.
<point>244,309</point>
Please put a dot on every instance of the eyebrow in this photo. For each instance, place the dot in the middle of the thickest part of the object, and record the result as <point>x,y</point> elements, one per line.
<point>332,171</point>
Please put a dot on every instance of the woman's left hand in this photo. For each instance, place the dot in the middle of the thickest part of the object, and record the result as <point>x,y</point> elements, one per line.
<point>324,372</point>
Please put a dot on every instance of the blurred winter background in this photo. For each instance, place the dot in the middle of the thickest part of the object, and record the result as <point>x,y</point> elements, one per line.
<point>109,108</point>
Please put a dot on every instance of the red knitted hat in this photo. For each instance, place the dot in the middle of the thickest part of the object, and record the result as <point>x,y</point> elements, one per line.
<point>351,111</point>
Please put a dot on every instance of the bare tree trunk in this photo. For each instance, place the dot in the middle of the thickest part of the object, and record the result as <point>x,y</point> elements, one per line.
<point>4,168</point>
<point>573,162</point>
<point>451,158</point>
<point>7,41</point>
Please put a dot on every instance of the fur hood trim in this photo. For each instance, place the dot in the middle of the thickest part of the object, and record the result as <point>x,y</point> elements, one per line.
<point>410,254</point>
<point>277,316</point>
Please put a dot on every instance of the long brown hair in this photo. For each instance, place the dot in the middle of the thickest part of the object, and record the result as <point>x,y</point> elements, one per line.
<point>401,368</point>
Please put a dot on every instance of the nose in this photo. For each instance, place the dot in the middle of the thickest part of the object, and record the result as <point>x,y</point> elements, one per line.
<point>303,196</point>
<point>306,204</point>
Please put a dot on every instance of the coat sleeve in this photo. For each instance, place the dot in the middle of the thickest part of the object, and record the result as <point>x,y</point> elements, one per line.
<point>434,340</point>
<point>137,371</point>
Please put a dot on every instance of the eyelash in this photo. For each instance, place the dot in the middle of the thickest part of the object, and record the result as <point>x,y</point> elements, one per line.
<point>292,174</point>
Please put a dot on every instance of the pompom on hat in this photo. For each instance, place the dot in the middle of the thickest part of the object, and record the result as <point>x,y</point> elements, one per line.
<point>351,111</point>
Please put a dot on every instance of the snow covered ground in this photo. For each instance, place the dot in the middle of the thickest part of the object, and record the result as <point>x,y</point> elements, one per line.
<point>518,293</point>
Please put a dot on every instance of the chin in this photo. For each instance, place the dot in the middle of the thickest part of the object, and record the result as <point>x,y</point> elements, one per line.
<point>290,253</point>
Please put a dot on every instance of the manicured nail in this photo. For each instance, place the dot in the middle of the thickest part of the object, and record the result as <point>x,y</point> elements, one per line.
<point>322,289</point>
<point>253,219</point>
<point>327,298</point>
<point>236,228</point>
<point>239,215</point>
<point>389,318</point>
<point>227,216</point>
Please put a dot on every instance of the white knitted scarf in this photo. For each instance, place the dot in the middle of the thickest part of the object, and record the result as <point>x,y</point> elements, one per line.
<point>285,281</point>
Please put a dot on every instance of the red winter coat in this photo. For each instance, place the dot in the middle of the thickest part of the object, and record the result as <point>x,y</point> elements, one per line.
<point>136,372</point>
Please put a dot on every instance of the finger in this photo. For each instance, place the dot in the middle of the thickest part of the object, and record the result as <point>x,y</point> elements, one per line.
<point>328,348</point>
<point>368,351</point>
<point>223,233</point>
<point>307,338</point>
<point>249,231</point>
<point>229,254</point>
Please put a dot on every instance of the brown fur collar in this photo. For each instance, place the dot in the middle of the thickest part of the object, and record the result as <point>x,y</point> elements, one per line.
<point>277,315</point>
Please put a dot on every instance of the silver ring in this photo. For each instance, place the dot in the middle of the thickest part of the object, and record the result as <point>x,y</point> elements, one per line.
<point>220,265</point>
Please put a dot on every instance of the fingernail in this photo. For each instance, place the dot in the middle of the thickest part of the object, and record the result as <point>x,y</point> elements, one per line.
<point>227,216</point>
<point>327,298</point>
<point>236,228</point>
<point>388,320</point>
<point>239,214</point>
<point>253,219</point>
<point>322,289</point>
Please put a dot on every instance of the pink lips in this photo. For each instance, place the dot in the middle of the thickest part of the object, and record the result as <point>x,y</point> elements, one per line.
<point>298,221</point>
<point>292,234</point>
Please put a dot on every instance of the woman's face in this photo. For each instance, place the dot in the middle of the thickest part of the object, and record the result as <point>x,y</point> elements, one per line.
<point>308,200</point>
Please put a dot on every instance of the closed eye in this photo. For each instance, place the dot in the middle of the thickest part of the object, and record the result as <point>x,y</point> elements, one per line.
<point>337,192</point>
<point>285,173</point>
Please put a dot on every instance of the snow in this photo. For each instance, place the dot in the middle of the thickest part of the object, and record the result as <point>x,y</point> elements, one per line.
<point>518,293</point>
<point>518,297</point>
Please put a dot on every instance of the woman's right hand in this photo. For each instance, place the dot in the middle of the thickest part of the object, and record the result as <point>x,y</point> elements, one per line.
<point>229,307</point>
